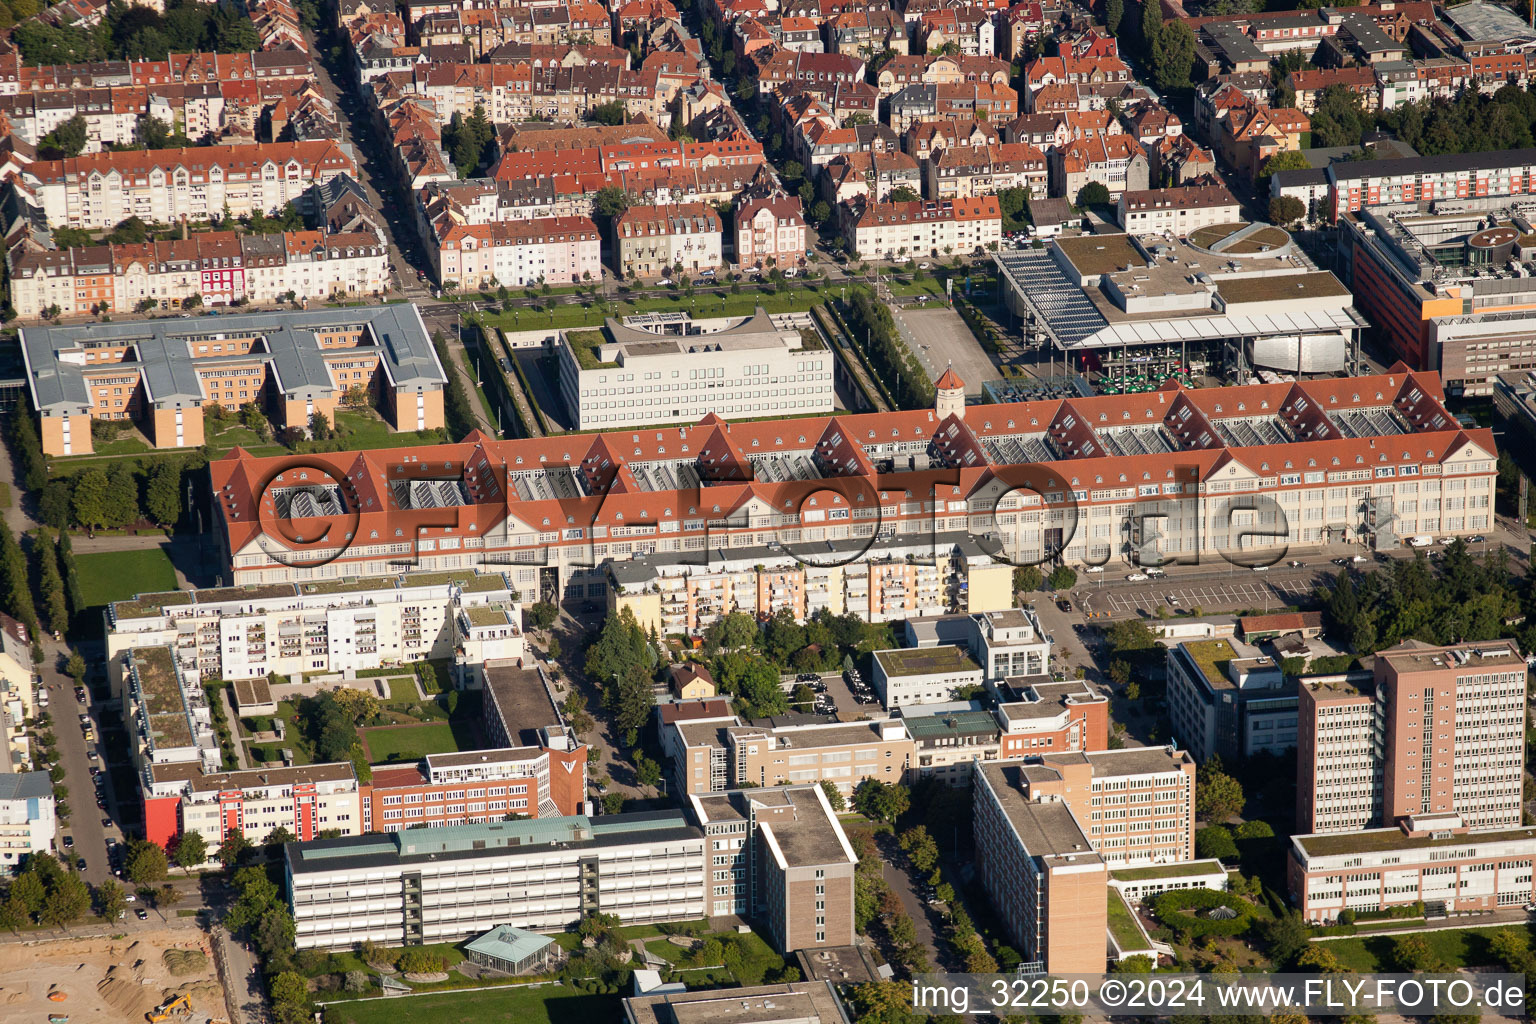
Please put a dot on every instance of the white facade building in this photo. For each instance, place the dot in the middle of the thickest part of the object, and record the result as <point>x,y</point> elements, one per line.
<point>26,817</point>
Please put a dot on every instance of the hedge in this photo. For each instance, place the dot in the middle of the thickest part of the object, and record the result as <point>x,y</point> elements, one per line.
<point>1176,909</point>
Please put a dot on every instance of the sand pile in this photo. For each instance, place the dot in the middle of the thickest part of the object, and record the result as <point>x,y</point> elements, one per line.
<point>182,962</point>
<point>125,993</point>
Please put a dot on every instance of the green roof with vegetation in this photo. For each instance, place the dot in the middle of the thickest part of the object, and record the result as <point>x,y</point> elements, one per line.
<point>161,690</point>
<point>1379,839</point>
<point>350,585</point>
<point>584,347</point>
<point>1211,658</point>
<point>1123,928</point>
<point>810,341</point>
<point>922,661</point>
<point>1184,869</point>
<point>151,605</point>
<point>488,614</point>
<point>469,582</point>
<point>254,592</point>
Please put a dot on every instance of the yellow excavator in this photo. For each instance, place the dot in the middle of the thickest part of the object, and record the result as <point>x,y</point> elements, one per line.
<point>181,1006</point>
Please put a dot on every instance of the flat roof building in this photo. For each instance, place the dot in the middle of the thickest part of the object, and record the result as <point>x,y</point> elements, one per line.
<point>1228,700</point>
<point>161,373</point>
<point>445,884</point>
<point>27,823</point>
<point>800,1002</point>
<point>1362,755</point>
<point>1433,858</point>
<point>677,369</point>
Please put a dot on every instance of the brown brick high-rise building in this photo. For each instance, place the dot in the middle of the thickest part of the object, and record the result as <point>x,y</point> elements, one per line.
<point>1436,730</point>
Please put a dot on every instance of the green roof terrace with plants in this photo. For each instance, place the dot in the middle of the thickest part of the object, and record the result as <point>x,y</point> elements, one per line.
<point>584,345</point>
<point>148,606</point>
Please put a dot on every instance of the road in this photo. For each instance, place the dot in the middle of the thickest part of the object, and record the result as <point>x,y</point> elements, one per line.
<point>85,819</point>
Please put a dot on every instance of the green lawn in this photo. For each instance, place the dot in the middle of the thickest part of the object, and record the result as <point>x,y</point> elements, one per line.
<point>403,690</point>
<point>117,575</point>
<point>799,298</point>
<point>545,1004</point>
<point>1457,947</point>
<point>1122,925</point>
<point>413,742</point>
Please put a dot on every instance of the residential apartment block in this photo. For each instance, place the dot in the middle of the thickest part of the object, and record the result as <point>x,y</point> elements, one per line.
<point>445,884</point>
<point>306,800</point>
<point>1430,858</point>
<point>899,230</point>
<point>160,373</point>
<point>653,241</point>
<point>1360,185</point>
<point>164,186</point>
<point>469,787</point>
<point>666,368</point>
<point>517,253</point>
<point>340,625</point>
<point>27,823</point>
<point>1031,717</point>
<point>779,854</point>
<point>1177,210</point>
<point>522,712</point>
<point>1445,736</point>
<point>1137,805</point>
<point>218,267</point>
<point>770,231</point>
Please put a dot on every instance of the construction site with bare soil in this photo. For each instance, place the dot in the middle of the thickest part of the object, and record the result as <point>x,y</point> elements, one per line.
<point>159,977</point>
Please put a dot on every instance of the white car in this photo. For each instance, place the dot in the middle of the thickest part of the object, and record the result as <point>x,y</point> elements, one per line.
<point>1136,577</point>
<point>1094,568</point>
<point>1259,568</point>
<point>130,898</point>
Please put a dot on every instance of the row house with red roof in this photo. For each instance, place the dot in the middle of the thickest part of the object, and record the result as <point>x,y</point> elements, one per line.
<point>1069,70</point>
<point>219,267</point>
<point>1309,83</point>
<point>900,72</point>
<point>164,186</point>
<point>926,139</point>
<point>963,172</point>
<point>652,241</point>
<point>917,103</point>
<point>1115,161</point>
<point>770,231</point>
<point>518,253</point>
<point>969,27</point>
<point>816,73</point>
<point>937,228</point>
<point>867,31</point>
<point>874,176</point>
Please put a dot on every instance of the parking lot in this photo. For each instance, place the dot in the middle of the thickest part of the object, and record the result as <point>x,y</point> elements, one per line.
<point>939,338</point>
<point>1208,595</point>
<point>838,692</point>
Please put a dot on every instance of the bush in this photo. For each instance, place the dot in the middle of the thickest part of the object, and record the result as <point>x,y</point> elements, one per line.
<point>1215,841</point>
<point>1181,910</point>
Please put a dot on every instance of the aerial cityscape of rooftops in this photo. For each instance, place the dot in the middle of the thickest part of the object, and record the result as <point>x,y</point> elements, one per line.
<point>984,487</point>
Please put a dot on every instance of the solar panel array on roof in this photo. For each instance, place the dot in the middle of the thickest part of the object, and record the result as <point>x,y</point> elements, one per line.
<point>665,476</point>
<point>1243,432</point>
<point>429,493</point>
<point>1135,441</point>
<point>1019,449</point>
<point>1378,421</point>
<point>1060,302</point>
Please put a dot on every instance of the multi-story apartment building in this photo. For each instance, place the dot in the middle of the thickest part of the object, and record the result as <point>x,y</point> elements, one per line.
<point>339,625</point>
<point>1443,180</point>
<point>1451,291</point>
<point>898,230</point>
<point>653,241</point>
<point>515,253</point>
<point>167,712</point>
<point>1227,700</point>
<point>1031,717</point>
<point>1337,457</point>
<point>163,186</point>
<point>219,267</point>
<point>1177,210</point>
<point>770,231</point>
<point>1431,858</point>
<point>27,824</point>
<point>660,369</point>
<point>160,373</point>
<point>307,800</point>
<point>1040,870</point>
<point>19,689</point>
<point>712,754</point>
<point>445,884</point>
<point>961,172</point>
<point>779,855</point>
<point>1446,737</point>
<point>682,597</point>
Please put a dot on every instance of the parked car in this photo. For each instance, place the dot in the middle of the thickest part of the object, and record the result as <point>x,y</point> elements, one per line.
<point>141,914</point>
<point>1137,577</point>
<point>69,842</point>
<point>1259,568</point>
<point>1156,574</point>
<point>1094,568</point>
<point>1294,563</point>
